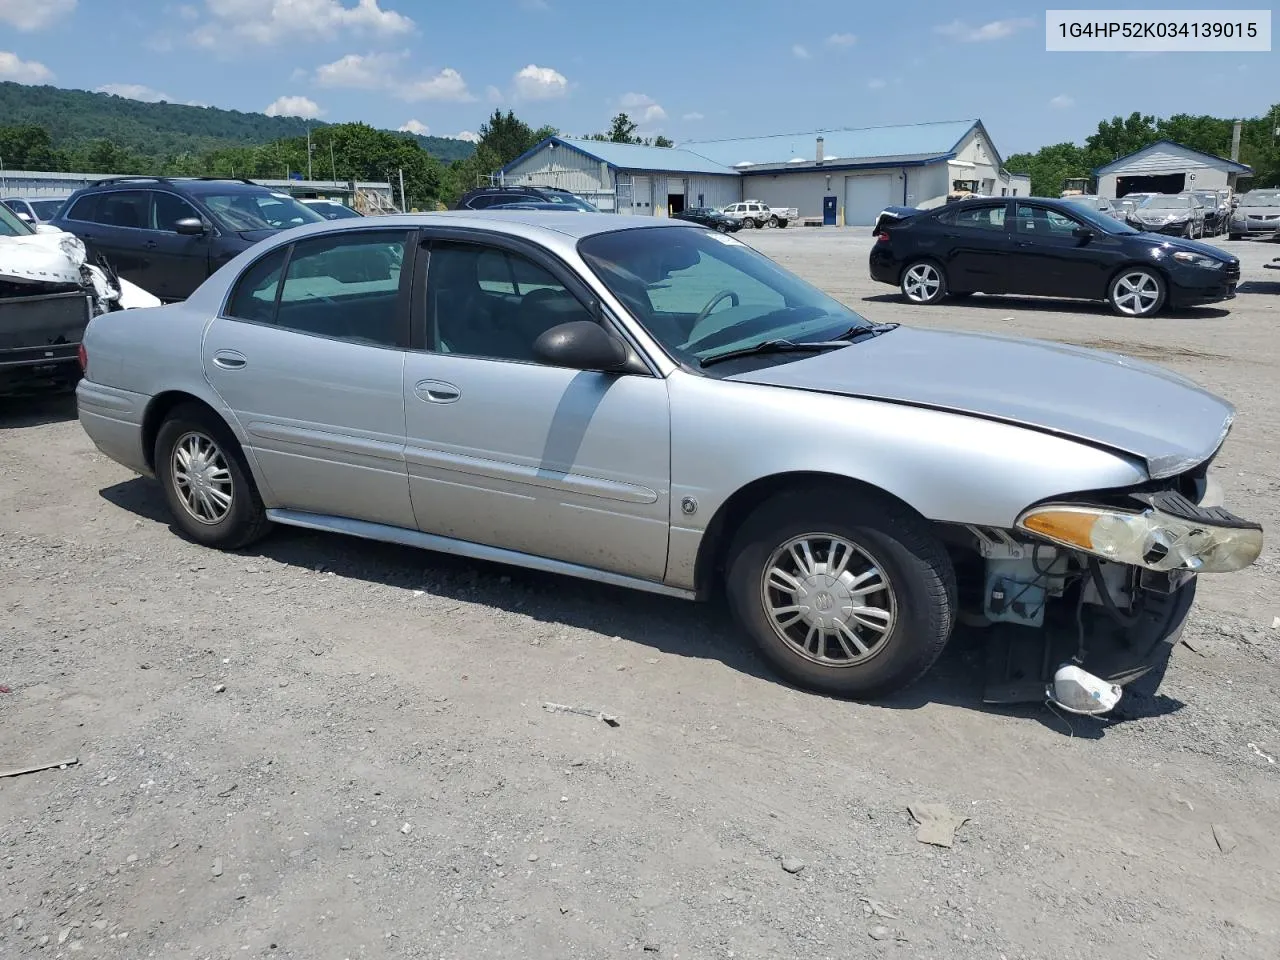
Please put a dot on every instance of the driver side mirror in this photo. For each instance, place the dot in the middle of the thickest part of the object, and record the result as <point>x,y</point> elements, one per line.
<point>189,226</point>
<point>581,345</point>
<point>1083,234</point>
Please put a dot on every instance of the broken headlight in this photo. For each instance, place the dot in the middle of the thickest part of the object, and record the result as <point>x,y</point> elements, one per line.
<point>1172,533</point>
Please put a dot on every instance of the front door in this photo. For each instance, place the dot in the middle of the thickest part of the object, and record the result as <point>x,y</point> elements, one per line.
<point>178,263</point>
<point>312,370</point>
<point>1048,259</point>
<point>505,451</point>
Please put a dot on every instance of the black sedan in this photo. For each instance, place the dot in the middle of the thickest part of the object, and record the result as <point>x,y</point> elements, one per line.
<point>1047,248</point>
<point>710,217</point>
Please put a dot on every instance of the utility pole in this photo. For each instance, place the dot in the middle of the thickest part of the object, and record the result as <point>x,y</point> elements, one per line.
<point>333,165</point>
<point>308,151</point>
<point>404,208</point>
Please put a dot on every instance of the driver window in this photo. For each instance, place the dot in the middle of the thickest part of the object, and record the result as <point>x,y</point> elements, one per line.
<point>1042,221</point>
<point>491,303</point>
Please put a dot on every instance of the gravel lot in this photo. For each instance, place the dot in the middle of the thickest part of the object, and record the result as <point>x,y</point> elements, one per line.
<point>327,748</point>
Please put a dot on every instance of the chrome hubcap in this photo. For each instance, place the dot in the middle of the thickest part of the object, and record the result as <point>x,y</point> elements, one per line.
<point>1136,293</point>
<point>921,282</point>
<point>201,478</point>
<point>828,599</point>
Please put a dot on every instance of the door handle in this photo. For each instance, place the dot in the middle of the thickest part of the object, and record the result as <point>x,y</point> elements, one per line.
<point>150,244</point>
<point>436,391</point>
<point>230,360</point>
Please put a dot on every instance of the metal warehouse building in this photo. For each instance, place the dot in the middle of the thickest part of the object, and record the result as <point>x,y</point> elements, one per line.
<point>1168,167</point>
<point>842,176</point>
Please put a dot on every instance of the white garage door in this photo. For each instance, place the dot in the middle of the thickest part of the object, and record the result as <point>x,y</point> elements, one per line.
<point>642,196</point>
<point>865,197</point>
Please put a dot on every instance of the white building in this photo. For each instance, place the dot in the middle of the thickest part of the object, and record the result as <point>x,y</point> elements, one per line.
<point>842,176</point>
<point>1168,167</point>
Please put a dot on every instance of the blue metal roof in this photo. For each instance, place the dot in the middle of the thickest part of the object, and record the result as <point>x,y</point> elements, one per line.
<point>909,140</point>
<point>1233,166</point>
<point>633,156</point>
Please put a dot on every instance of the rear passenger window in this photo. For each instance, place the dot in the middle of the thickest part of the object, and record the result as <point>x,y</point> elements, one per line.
<point>347,287</point>
<point>981,218</point>
<point>254,298</point>
<point>84,209</point>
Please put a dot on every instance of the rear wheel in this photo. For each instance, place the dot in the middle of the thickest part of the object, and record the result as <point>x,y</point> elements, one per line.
<point>747,223</point>
<point>1235,236</point>
<point>1136,292</point>
<point>721,228</point>
<point>206,481</point>
<point>773,221</point>
<point>923,282</point>
<point>848,597</point>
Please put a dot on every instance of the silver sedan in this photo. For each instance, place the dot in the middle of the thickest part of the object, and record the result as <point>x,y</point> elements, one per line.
<point>651,404</point>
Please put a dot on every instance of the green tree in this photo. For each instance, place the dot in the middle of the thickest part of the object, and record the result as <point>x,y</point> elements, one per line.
<point>622,129</point>
<point>1120,136</point>
<point>29,147</point>
<point>1049,166</point>
<point>661,141</point>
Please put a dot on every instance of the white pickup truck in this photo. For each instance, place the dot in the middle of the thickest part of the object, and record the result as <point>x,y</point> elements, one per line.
<point>753,213</point>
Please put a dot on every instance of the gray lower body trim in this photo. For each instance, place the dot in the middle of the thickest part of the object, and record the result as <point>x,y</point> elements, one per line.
<point>463,548</point>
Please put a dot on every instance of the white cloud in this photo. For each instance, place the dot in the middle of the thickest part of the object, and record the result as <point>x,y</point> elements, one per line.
<point>540,83</point>
<point>415,127</point>
<point>647,109</point>
<point>271,21</point>
<point>1062,102</point>
<point>30,15</point>
<point>875,83</point>
<point>842,39</point>
<point>23,71</point>
<point>800,51</point>
<point>695,115</point>
<point>293,107</point>
<point>493,94</point>
<point>468,136</point>
<point>133,91</point>
<point>188,12</point>
<point>360,72</point>
<point>445,85</point>
<point>995,30</point>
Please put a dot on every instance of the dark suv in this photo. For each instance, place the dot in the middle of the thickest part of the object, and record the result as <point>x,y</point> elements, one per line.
<point>168,235</point>
<point>483,197</point>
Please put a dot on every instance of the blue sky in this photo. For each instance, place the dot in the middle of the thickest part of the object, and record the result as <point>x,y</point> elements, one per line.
<point>722,68</point>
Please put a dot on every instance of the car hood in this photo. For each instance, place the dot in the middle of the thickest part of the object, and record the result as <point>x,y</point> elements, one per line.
<point>1243,211</point>
<point>1100,398</point>
<point>253,236</point>
<point>1173,244</point>
<point>1164,213</point>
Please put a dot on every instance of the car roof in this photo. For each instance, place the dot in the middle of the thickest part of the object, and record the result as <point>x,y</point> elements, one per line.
<point>193,186</point>
<point>532,224</point>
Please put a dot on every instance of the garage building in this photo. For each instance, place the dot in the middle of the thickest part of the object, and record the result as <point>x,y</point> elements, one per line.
<point>841,176</point>
<point>1168,167</point>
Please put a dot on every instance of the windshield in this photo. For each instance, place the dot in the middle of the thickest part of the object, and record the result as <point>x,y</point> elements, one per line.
<point>701,293</point>
<point>573,202</point>
<point>1210,199</point>
<point>1166,203</point>
<point>45,209</point>
<point>1103,222</point>
<point>332,210</point>
<point>10,225</point>
<point>1091,203</point>
<point>245,210</point>
<point>1260,200</point>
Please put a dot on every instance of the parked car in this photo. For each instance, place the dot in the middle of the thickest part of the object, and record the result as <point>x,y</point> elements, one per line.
<point>753,213</point>
<point>483,197</point>
<point>1093,202</point>
<point>1049,248</point>
<point>711,217</point>
<point>48,292</point>
<point>34,210</point>
<point>538,205</point>
<point>1177,214</point>
<point>330,209</point>
<point>1258,212</point>
<point>169,234</point>
<point>1216,211</point>
<point>567,395</point>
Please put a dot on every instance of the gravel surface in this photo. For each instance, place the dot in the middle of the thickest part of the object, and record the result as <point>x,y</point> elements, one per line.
<point>329,748</point>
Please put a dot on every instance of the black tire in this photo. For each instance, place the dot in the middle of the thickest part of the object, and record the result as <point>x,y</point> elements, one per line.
<point>245,520</point>
<point>773,221</point>
<point>1119,297</point>
<point>1235,236</point>
<point>914,563</point>
<point>960,294</point>
<point>721,228</point>
<point>747,223</point>
<point>923,282</point>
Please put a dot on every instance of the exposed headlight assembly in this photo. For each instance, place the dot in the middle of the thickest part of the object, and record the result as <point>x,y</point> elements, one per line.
<point>1172,533</point>
<point>1198,259</point>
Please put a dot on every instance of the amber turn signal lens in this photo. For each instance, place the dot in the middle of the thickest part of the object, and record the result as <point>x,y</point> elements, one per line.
<point>1064,526</point>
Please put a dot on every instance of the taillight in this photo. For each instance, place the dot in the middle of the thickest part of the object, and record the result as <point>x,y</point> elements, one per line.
<point>882,236</point>
<point>83,356</point>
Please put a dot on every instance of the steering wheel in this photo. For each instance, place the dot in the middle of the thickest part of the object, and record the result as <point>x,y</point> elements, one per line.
<point>711,305</point>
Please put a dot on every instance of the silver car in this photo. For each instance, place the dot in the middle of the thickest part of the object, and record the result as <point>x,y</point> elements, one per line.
<point>653,404</point>
<point>1257,213</point>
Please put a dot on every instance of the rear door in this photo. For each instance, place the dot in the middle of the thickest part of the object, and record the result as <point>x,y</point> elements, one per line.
<point>312,368</point>
<point>178,263</point>
<point>974,243</point>
<point>114,224</point>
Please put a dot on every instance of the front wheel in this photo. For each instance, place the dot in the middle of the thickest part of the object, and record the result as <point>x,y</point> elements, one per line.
<point>746,223</point>
<point>1136,292</point>
<point>1235,236</point>
<point>844,596</point>
<point>206,481</point>
<point>773,221</point>
<point>721,228</point>
<point>922,282</point>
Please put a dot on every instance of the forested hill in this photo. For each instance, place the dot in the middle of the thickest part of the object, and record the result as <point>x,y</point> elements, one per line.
<point>75,117</point>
